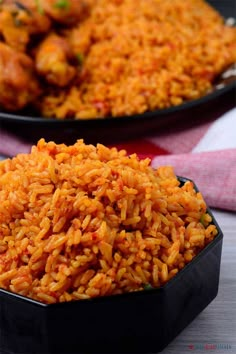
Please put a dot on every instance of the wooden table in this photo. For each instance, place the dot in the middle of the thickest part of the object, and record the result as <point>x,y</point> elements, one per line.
<point>214,330</point>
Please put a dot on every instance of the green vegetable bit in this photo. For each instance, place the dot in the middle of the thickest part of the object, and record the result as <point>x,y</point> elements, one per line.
<point>62,4</point>
<point>147,287</point>
<point>202,220</point>
<point>39,7</point>
<point>80,58</point>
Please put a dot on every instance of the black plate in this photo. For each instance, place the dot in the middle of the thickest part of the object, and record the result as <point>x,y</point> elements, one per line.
<point>111,130</point>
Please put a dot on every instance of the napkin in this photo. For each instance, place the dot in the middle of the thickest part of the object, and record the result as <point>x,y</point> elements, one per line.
<point>205,153</point>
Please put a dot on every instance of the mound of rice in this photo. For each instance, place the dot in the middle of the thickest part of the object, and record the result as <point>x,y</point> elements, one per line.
<point>80,221</point>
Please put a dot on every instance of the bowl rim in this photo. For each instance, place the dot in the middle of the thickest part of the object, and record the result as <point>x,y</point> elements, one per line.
<point>161,113</point>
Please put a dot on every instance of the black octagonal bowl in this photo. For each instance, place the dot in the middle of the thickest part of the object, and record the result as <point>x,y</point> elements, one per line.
<point>140,322</point>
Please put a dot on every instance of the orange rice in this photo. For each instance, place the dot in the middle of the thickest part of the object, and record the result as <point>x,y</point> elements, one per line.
<point>80,221</point>
<point>140,56</point>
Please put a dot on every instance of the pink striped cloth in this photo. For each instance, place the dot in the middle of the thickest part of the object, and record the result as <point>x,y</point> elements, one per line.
<point>204,152</point>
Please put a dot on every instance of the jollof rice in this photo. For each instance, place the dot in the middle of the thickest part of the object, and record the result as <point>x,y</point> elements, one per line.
<point>78,222</point>
<point>139,56</point>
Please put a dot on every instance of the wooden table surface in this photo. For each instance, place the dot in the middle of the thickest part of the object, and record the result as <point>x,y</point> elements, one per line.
<point>214,330</point>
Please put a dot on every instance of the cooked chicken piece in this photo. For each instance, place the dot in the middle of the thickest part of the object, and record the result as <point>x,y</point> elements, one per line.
<point>37,21</point>
<point>16,36</point>
<point>67,12</point>
<point>21,19</point>
<point>53,61</point>
<point>18,85</point>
